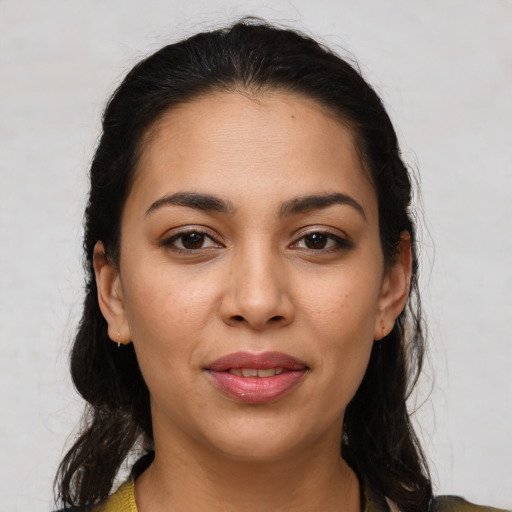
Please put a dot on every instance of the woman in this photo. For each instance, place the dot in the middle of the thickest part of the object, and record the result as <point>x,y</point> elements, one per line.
<point>252,317</point>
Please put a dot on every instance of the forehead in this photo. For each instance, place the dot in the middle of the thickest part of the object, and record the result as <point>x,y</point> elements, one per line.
<point>241,145</point>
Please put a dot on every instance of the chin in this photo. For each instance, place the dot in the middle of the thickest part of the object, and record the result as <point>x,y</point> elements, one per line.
<point>255,451</point>
<point>264,444</point>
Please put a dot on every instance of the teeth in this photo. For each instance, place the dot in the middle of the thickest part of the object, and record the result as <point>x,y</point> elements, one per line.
<point>256,372</point>
<point>270,372</point>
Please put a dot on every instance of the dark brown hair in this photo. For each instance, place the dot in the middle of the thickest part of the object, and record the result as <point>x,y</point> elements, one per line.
<point>251,55</point>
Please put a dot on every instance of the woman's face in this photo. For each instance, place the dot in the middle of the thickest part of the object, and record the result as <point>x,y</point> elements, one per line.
<point>251,277</point>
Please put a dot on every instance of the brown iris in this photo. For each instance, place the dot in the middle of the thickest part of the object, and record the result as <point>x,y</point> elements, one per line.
<point>316,240</point>
<point>192,240</point>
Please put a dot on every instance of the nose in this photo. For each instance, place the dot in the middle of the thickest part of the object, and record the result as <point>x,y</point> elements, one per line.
<point>258,292</point>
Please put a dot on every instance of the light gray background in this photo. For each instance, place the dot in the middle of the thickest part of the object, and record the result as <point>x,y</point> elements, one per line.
<point>443,68</point>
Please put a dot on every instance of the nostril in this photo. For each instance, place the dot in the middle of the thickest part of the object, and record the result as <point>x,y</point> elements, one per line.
<point>276,319</point>
<point>238,318</point>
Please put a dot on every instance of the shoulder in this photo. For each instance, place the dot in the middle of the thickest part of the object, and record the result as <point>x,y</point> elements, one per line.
<point>457,504</point>
<point>123,500</point>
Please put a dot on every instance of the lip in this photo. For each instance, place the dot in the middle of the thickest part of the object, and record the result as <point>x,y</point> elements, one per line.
<point>256,390</point>
<point>263,360</point>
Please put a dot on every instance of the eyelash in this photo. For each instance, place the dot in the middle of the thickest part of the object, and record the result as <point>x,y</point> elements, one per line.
<point>340,243</point>
<point>169,242</point>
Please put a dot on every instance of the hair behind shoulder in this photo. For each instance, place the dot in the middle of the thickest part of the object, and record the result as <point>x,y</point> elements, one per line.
<point>250,55</point>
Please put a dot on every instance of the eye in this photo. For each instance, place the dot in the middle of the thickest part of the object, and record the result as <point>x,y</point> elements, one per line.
<point>190,241</point>
<point>317,241</point>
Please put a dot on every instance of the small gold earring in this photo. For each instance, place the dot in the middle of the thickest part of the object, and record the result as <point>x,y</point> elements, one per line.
<point>118,335</point>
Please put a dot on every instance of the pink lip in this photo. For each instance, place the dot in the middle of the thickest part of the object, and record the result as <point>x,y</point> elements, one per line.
<point>256,390</point>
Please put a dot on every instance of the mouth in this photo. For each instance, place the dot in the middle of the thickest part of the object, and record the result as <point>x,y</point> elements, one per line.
<point>256,372</point>
<point>256,378</point>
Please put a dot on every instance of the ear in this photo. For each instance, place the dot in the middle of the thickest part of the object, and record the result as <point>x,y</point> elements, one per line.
<point>395,289</point>
<point>110,296</point>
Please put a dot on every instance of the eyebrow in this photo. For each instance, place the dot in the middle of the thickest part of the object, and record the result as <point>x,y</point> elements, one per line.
<point>319,201</point>
<point>208,202</point>
<point>205,202</point>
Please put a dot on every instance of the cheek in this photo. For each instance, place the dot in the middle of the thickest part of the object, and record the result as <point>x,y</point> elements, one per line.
<point>164,302</point>
<point>168,316</point>
<point>347,330</point>
<point>343,304</point>
<point>342,313</point>
<point>166,325</point>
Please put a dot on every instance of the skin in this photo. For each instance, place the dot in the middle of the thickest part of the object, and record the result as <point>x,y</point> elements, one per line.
<point>256,284</point>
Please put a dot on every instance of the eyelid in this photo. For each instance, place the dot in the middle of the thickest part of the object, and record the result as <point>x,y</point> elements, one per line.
<point>175,233</point>
<point>323,229</point>
<point>343,241</point>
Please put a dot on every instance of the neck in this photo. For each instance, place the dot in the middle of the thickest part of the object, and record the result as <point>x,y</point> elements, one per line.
<point>191,480</point>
